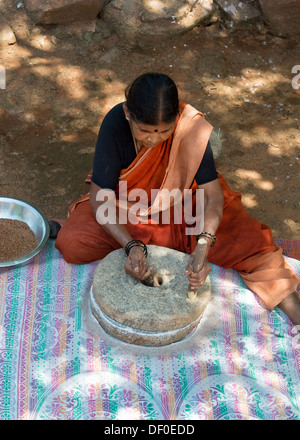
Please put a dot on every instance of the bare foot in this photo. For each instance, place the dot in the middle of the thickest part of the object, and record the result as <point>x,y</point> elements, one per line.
<point>291,307</point>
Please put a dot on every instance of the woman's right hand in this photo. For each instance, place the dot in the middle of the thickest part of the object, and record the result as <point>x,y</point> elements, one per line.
<point>136,264</point>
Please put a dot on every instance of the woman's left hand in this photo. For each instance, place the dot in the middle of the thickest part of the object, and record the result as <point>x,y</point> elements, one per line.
<point>196,280</point>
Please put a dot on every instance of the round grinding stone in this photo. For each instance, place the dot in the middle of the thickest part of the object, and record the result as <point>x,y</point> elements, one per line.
<point>134,305</point>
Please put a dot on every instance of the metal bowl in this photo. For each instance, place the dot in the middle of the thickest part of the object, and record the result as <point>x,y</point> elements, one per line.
<point>17,209</point>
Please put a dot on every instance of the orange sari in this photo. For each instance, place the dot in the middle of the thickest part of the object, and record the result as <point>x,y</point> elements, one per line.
<point>242,242</point>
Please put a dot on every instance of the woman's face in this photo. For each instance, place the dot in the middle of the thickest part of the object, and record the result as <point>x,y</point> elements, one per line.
<point>150,135</point>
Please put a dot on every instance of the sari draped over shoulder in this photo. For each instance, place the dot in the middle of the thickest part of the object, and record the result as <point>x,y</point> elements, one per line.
<point>162,177</point>
<point>243,243</point>
<point>172,164</point>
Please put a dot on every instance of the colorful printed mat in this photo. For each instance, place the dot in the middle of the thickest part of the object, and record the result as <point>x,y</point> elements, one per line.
<point>56,363</point>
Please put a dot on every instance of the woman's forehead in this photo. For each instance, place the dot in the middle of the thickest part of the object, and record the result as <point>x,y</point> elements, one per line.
<point>158,128</point>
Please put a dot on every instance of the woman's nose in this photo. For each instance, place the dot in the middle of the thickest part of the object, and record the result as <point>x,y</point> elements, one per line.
<point>154,138</point>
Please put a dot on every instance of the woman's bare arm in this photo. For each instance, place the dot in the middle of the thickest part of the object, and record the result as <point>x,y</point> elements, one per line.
<point>136,264</point>
<point>213,212</point>
<point>213,205</point>
<point>115,229</point>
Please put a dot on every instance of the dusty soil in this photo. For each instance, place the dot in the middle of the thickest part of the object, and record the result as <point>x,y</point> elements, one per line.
<point>61,81</point>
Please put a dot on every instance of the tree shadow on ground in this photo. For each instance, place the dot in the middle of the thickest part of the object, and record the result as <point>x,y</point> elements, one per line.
<point>60,84</point>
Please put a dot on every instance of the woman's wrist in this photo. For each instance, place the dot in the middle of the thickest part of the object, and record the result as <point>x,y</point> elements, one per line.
<point>209,236</point>
<point>136,243</point>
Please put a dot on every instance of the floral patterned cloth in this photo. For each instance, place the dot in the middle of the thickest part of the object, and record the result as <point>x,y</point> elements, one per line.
<point>242,361</point>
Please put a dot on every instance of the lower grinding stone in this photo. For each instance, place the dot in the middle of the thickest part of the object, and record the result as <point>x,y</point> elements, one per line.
<point>143,315</point>
<point>136,336</point>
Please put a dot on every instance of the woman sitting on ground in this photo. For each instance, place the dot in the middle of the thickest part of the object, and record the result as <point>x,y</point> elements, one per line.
<point>152,141</point>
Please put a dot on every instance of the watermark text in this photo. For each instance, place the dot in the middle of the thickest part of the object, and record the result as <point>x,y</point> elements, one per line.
<point>296,79</point>
<point>2,77</point>
<point>163,207</point>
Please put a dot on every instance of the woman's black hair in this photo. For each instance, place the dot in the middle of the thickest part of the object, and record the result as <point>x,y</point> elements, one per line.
<point>152,98</point>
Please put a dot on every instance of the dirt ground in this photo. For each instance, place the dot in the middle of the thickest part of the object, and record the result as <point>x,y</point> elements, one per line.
<point>60,82</point>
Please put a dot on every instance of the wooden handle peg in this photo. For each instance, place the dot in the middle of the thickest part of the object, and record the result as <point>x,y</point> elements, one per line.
<point>200,253</point>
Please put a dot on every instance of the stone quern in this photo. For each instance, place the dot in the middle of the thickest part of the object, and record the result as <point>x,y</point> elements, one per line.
<point>143,315</point>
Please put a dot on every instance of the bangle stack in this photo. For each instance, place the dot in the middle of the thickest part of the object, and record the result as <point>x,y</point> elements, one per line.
<point>212,237</point>
<point>133,243</point>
